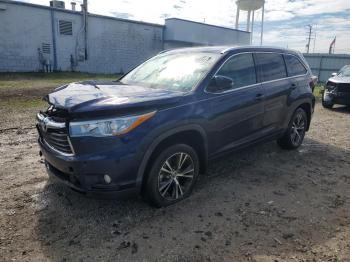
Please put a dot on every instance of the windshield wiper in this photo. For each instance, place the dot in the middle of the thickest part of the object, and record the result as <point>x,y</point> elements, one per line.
<point>118,81</point>
<point>96,86</point>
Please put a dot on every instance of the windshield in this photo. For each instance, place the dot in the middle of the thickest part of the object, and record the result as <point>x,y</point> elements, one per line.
<point>172,71</point>
<point>345,71</point>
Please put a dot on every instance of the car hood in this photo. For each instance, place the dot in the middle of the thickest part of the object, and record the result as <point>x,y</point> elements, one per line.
<point>96,96</point>
<point>340,79</point>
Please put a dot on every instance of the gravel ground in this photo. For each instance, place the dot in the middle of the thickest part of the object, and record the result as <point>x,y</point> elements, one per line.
<point>261,204</point>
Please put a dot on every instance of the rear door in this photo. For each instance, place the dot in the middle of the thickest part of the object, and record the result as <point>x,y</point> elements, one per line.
<point>272,74</point>
<point>237,113</point>
<point>296,72</point>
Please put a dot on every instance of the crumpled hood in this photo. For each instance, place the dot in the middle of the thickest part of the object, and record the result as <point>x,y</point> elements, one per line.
<point>106,95</point>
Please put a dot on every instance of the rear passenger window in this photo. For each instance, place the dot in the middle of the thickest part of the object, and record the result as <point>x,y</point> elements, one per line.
<point>270,66</point>
<point>294,66</point>
<point>240,68</point>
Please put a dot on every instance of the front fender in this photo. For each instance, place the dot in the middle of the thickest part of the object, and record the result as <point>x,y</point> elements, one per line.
<point>162,134</point>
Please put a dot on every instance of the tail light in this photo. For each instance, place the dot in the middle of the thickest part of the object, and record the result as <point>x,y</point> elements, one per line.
<point>313,82</point>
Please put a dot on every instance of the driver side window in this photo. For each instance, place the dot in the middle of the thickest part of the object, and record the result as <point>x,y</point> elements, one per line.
<point>240,68</point>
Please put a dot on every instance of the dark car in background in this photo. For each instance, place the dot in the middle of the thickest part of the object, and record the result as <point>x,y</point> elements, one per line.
<point>337,89</point>
<point>153,131</point>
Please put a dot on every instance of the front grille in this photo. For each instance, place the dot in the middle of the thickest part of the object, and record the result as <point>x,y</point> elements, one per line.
<point>54,134</point>
<point>58,139</point>
<point>343,87</point>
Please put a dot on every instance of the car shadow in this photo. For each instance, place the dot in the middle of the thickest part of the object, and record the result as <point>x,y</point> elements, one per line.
<point>260,200</point>
<point>341,109</point>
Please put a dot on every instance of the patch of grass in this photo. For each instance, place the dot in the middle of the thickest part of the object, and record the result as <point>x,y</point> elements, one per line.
<point>37,80</point>
<point>54,75</point>
<point>22,103</point>
<point>318,91</point>
<point>25,90</point>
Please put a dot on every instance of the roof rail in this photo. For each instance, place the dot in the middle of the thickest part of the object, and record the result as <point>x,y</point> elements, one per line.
<point>228,49</point>
<point>164,51</point>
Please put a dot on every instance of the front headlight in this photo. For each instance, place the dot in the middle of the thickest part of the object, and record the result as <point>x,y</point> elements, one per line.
<point>107,127</point>
<point>331,86</point>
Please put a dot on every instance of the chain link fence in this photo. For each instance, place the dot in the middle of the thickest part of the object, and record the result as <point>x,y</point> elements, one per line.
<point>323,65</point>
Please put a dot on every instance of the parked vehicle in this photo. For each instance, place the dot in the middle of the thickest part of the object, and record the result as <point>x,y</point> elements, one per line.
<point>153,131</point>
<point>337,89</point>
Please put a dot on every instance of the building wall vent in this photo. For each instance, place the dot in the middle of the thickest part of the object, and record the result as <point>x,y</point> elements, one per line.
<point>3,7</point>
<point>46,48</point>
<point>65,27</point>
<point>57,4</point>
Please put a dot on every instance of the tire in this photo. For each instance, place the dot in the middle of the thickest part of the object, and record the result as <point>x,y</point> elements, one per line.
<point>295,133</point>
<point>172,176</point>
<point>326,104</point>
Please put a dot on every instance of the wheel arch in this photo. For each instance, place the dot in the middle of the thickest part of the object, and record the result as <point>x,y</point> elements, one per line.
<point>193,135</point>
<point>306,104</point>
<point>307,107</point>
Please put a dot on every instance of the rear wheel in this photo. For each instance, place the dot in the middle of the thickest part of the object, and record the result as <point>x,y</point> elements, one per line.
<point>172,176</point>
<point>295,133</point>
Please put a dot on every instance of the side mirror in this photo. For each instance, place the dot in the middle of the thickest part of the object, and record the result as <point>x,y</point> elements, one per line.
<point>334,74</point>
<point>220,83</point>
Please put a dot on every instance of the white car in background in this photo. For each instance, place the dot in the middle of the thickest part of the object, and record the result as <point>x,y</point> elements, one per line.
<point>337,89</point>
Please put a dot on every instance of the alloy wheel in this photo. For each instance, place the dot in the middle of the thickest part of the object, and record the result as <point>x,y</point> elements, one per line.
<point>298,129</point>
<point>176,176</point>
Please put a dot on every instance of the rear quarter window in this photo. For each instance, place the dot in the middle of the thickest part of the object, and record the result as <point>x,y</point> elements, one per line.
<point>270,66</point>
<point>294,66</point>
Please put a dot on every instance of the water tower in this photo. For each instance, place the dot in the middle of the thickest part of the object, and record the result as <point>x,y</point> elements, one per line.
<point>251,6</point>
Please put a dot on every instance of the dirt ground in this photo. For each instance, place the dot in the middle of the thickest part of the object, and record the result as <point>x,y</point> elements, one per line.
<point>261,204</point>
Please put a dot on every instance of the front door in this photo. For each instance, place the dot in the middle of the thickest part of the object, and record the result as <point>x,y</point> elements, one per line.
<point>236,114</point>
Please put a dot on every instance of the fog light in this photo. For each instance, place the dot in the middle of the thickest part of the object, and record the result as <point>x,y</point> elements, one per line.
<point>107,179</point>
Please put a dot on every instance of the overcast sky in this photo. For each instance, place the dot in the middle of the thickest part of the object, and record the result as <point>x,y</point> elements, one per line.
<point>286,20</point>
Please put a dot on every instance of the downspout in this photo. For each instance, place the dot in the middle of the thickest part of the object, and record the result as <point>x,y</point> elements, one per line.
<point>85,28</point>
<point>77,43</point>
<point>162,39</point>
<point>82,36</point>
<point>53,31</point>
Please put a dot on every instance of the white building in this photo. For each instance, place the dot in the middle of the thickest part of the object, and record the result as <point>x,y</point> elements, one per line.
<point>32,36</point>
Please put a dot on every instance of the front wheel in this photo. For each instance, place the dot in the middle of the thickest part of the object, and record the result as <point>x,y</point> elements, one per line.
<point>172,176</point>
<point>326,101</point>
<point>295,133</point>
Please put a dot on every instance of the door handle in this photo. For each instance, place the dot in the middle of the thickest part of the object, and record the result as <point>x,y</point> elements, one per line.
<point>293,86</point>
<point>259,97</point>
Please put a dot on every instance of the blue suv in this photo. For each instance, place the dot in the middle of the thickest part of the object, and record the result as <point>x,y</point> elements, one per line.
<point>153,131</point>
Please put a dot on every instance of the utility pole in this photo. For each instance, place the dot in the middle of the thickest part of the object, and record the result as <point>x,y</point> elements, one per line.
<point>313,51</point>
<point>332,46</point>
<point>309,39</point>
